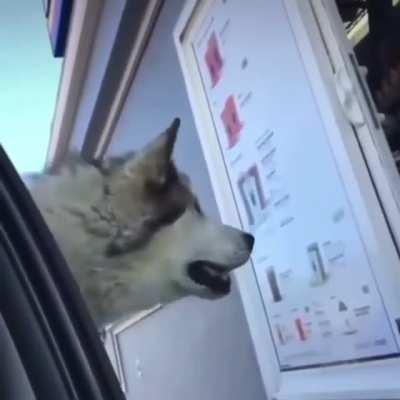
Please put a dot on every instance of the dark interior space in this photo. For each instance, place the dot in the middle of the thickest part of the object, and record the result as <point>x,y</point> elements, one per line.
<point>378,49</point>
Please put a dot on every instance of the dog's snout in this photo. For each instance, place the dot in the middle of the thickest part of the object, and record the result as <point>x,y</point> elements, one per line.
<point>249,240</point>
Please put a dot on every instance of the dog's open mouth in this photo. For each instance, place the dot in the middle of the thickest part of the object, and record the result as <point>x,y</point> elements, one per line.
<point>210,275</point>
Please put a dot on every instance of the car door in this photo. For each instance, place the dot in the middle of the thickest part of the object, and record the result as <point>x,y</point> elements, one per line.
<point>49,345</point>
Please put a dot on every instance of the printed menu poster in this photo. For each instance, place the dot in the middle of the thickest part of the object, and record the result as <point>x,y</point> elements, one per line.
<point>323,303</point>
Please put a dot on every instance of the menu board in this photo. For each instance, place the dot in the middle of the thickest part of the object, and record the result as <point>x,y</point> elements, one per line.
<point>322,299</point>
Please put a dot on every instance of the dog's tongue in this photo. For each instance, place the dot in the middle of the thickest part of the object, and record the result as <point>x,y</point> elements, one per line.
<point>210,275</point>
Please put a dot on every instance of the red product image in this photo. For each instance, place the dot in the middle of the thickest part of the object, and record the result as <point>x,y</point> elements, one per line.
<point>214,60</point>
<point>300,329</point>
<point>231,121</point>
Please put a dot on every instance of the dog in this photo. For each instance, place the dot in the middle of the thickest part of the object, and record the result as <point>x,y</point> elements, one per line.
<point>134,234</point>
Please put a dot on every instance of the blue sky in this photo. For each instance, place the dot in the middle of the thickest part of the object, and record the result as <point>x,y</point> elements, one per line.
<point>29,77</point>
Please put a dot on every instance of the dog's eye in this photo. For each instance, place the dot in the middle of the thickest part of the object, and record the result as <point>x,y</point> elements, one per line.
<point>157,188</point>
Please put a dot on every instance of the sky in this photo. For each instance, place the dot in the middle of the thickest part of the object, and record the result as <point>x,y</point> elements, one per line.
<point>29,77</point>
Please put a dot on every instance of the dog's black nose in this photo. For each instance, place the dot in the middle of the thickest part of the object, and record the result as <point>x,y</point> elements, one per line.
<point>249,239</point>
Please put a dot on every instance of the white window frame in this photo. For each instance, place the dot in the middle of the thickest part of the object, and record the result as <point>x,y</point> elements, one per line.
<point>82,31</point>
<point>343,382</point>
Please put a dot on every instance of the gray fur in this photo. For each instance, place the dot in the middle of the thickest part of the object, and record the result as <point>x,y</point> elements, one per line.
<point>129,245</point>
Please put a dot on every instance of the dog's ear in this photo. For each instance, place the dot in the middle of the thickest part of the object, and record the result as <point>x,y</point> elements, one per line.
<point>162,147</point>
<point>156,157</point>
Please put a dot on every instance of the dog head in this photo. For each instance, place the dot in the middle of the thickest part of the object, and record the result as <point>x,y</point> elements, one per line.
<point>134,233</point>
<point>164,226</point>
